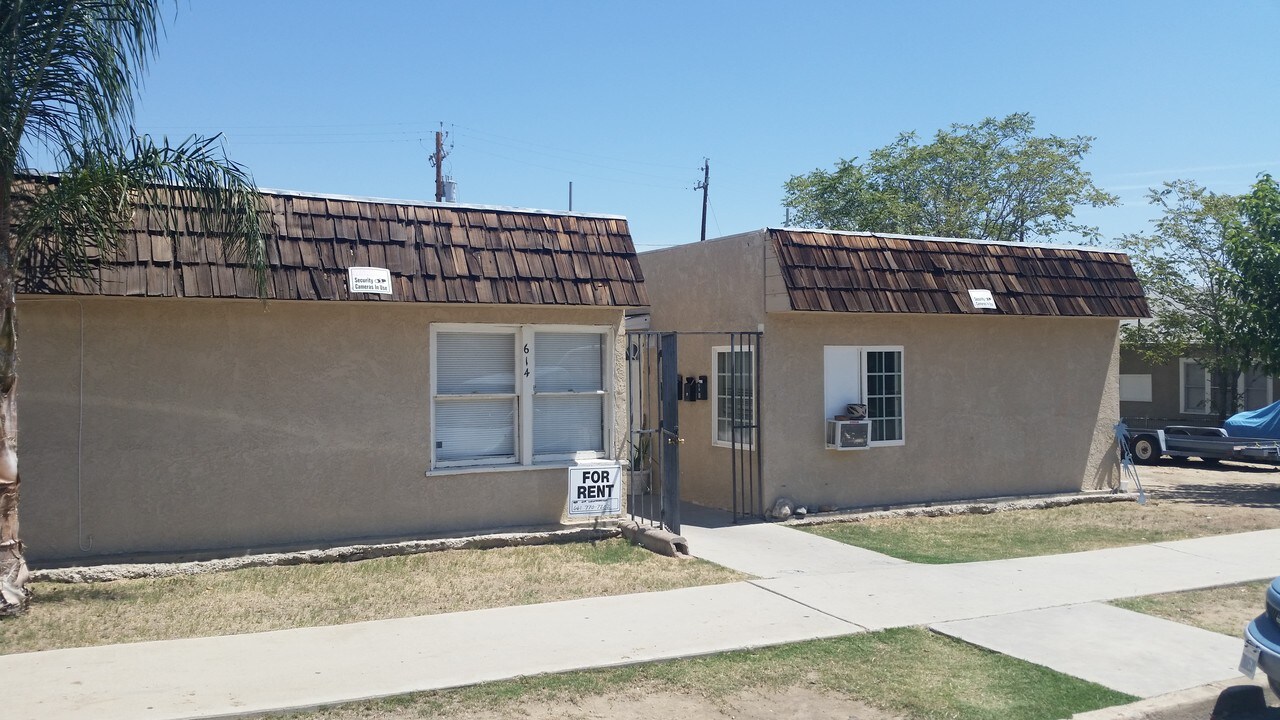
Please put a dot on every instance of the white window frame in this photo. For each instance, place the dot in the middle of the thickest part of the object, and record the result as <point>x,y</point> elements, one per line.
<point>1183,363</point>
<point>524,393</point>
<point>902,371</point>
<point>715,395</point>
<point>862,351</point>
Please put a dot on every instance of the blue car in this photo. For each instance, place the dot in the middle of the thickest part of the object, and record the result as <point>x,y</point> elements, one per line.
<point>1262,641</point>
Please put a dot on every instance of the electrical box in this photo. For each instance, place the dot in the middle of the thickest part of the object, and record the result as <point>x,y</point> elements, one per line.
<point>700,388</point>
<point>848,434</point>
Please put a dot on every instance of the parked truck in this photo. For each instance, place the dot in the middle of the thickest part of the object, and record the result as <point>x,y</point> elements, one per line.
<point>1210,444</point>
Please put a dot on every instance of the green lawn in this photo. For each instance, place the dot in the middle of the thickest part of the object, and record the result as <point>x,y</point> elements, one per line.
<point>1024,533</point>
<point>907,671</point>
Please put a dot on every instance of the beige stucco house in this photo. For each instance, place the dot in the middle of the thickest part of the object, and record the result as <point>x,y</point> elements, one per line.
<point>169,411</point>
<point>1183,391</point>
<point>986,369</point>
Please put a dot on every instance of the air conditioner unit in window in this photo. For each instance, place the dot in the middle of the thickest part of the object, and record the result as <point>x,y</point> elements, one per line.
<point>848,434</point>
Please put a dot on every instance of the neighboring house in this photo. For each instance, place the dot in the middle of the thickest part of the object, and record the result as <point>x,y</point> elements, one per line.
<point>1182,390</point>
<point>963,402</point>
<point>169,411</point>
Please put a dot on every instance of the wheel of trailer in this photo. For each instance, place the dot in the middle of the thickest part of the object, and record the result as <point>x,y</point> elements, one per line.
<point>1145,450</point>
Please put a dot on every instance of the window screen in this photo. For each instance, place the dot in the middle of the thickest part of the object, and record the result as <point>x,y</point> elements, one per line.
<point>1195,388</point>
<point>470,422</point>
<point>568,393</point>
<point>1256,390</point>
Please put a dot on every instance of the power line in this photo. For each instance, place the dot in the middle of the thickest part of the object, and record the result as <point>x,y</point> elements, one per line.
<point>572,160</point>
<point>575,173</point>
<point>572,152</point>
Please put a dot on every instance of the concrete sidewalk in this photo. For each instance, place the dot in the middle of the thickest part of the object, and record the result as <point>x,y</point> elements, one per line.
<point>769,550</point>
<point>1127,651</point>
<point>217,677</point>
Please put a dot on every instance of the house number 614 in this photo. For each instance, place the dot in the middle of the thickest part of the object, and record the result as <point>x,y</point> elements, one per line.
<point>526,359</point>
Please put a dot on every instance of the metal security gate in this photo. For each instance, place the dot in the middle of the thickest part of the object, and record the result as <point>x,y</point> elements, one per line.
<point>653,429</point>
<point>742,397</point>
<point>654,394</point>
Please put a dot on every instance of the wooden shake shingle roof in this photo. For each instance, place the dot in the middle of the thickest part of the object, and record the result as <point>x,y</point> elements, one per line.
<point>863,272</point>
<point>435,252</point>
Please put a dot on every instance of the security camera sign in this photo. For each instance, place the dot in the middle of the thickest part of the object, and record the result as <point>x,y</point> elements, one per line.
<point>369,280</point>
<point>595,491</point>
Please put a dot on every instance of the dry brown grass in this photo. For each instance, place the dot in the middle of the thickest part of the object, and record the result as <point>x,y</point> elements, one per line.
<point>1223,610</point>
<point>259,599</point>
<point>1024,533</point>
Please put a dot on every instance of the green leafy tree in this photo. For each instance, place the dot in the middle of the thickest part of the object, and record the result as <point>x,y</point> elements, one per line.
<point>1191,283</point>
<point>1253,246</point>
<point>995,180</point>
<point>68,75</point>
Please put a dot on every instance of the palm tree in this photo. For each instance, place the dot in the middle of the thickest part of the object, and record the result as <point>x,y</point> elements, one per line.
<point>68,75</point>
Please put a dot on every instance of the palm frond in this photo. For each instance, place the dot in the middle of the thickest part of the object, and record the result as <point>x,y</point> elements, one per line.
<point>72,68</point>
<point>65,224</point>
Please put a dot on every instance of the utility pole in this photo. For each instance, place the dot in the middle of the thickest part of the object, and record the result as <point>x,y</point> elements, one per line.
<point>706,182</point>
<point>438,161</point>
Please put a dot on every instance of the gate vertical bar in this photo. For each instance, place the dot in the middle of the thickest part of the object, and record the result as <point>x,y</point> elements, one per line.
<point>732,377</point>
<point>669,431</point>
<point>758,356</point>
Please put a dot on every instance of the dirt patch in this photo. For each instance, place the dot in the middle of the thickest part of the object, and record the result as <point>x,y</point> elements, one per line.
<point>1231,486</point>
<point>794,702</point>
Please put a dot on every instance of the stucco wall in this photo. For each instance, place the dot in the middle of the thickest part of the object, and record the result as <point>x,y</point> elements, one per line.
<point>206,424</point>
<point>715,286</point>
<point>994,406</point>
<point>1165,393</point>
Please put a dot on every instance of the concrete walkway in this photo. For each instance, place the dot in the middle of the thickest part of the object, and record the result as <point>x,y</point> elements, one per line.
<point>219,677</point>
<point>1127,651</point>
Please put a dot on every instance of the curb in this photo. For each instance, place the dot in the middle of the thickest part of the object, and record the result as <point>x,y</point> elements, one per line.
<point>1198,702</point>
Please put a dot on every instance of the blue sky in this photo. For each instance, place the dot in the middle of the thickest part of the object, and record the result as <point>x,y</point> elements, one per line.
<point>625,99</point>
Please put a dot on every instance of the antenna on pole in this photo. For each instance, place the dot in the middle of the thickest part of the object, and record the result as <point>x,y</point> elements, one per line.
<point>706,183</point>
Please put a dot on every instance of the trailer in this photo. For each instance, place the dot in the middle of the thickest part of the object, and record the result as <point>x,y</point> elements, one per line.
<point>1210,444</point>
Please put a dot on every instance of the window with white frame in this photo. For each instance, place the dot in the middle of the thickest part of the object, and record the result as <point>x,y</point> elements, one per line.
<point>518,394</point>
<point>884,394</point>
<point>868,375</point>
<point>1196,387</point>
<point>1200,389</point>
<point>733,396</point>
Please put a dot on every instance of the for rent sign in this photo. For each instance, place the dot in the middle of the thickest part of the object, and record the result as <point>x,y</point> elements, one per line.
<point>595,491</point>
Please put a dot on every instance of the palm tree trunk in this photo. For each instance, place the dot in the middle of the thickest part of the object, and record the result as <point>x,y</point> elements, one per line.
<point>14,594</point>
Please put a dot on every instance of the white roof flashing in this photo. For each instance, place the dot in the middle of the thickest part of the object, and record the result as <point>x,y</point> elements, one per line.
<point>434,204</point>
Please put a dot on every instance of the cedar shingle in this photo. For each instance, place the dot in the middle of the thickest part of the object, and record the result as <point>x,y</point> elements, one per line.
<point>831,271</point>
<point>434,253</point>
